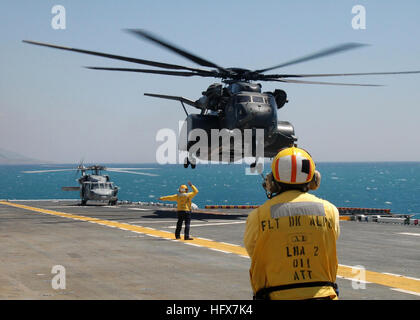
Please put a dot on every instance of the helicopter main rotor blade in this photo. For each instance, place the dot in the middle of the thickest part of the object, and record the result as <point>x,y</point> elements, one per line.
<point>177,98</point>
<point>325,83</point>
<point>117,57</point>
<point>140,168</point>
<point>337,74</point>
<point>44,171</point>
<point>181,52</point>
<point>316,55</point>
<point>138,173</point>
<point>165,72</point>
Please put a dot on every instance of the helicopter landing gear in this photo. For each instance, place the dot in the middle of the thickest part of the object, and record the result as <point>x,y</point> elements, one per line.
<point>187,162</point>
<point>256,167</point>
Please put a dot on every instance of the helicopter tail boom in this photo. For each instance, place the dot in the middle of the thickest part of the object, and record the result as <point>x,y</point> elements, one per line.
<point>176,98</point>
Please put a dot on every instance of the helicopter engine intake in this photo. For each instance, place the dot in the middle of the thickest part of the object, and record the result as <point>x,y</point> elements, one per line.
<point>281,98</point>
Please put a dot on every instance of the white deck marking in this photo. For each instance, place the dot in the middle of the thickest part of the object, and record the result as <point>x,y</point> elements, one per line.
<point>230,244</point>
<point>147,221</point>
<point>204,239</point>
<point>406,291</point>
<point>218,250</point>
<point>61,207</point>
<point>193,244</point>
<point>410,234</point>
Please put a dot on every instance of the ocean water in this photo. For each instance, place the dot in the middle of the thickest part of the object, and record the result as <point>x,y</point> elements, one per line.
<point>390,185</point>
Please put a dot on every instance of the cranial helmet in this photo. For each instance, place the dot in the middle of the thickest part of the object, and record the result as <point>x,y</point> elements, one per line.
<point>293,166</point>
<point>183,188</point>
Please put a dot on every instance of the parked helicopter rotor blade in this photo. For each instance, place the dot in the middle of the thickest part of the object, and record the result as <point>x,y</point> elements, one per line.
<point>177,98</point>
<point>166,72</point>
<point>138,173</point>
<point>117,57</point>
<point>336,74</point>
<point>140,168</point>
<point>45,171</point>
<point>316,55</point>
<point>326,83</point>
<point>202,62</point>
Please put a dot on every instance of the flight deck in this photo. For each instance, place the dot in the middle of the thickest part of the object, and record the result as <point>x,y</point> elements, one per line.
<point>128,251</point>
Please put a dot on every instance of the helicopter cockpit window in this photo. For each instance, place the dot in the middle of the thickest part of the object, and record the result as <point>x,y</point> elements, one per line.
<point>257,99</point>
<point>242,99</point>
<point>93,186</point>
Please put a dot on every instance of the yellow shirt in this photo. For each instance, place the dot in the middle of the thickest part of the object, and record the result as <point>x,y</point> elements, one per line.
<point>183,199</point>
<point>291,239</point>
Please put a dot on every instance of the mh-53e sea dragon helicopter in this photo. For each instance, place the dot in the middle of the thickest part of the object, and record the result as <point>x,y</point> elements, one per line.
<point>239,103</point>
<point>95,185</point>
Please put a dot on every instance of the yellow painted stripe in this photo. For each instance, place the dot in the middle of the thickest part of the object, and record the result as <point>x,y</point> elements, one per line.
<point>129,227</point>
<point>393,281</point>
<point>388,280</point>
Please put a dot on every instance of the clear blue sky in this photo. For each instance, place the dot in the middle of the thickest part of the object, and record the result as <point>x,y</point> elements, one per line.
<point>52,109</point>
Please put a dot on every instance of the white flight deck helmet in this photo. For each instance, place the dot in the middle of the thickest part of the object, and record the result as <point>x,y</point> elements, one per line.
<point>292,166</point>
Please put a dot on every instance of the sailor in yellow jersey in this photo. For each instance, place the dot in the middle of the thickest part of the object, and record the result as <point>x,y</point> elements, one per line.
<point>291,239</point>
<point>183,199</point>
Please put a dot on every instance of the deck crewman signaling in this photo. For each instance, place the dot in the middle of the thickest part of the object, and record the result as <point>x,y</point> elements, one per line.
<point>183,199</point>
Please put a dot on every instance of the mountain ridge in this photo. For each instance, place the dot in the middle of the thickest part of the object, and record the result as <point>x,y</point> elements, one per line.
<point>11,157</point>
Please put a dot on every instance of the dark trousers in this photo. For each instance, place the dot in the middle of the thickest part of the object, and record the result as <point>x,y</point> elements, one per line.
<point>183,216</point>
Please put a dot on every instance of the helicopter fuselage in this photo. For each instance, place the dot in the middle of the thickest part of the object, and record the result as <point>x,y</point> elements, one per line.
<point>240,106</point>
<point>97,187</point>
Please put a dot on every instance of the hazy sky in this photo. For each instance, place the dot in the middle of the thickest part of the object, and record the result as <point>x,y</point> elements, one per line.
<point>53,109</point>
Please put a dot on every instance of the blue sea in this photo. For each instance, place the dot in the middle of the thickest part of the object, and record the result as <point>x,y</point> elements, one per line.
<point>389,185</point>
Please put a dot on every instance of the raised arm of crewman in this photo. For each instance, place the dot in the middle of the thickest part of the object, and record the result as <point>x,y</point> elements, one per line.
<point>174,197</point>
<point>194,192</point>
<point>183,198</point>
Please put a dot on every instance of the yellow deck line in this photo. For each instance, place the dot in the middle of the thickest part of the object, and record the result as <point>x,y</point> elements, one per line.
<point>388,280</point>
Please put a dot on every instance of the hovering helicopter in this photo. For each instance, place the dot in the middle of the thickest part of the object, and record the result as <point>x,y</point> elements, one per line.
<point>95,185</point>
<point>236,103</point>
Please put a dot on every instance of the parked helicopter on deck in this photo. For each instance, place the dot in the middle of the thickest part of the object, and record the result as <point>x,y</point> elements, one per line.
<point>95,185</point>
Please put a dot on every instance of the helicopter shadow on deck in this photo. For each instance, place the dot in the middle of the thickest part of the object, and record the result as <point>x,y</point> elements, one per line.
<point>205,216</point>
